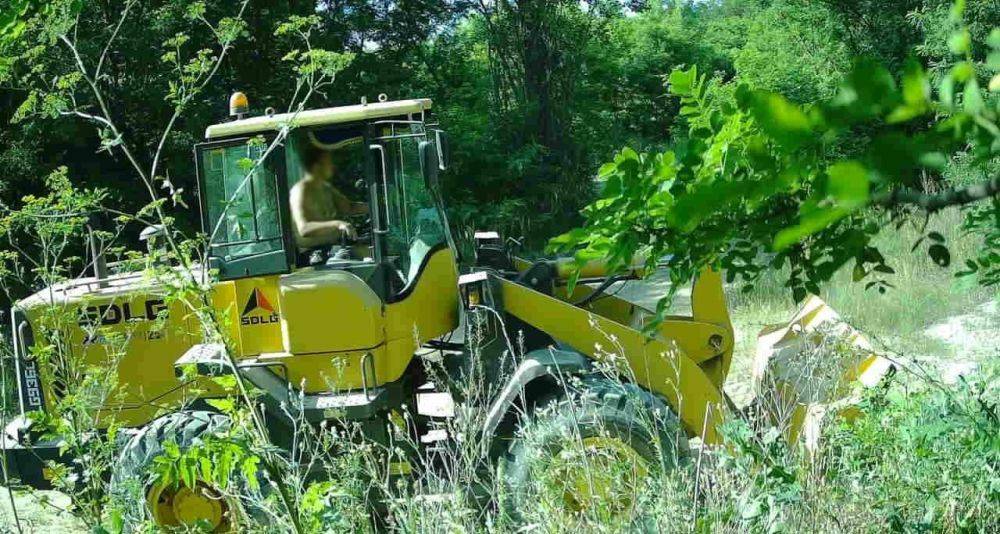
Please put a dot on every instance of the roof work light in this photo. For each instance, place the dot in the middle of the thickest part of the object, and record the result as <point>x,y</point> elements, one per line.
<point>238,105</point>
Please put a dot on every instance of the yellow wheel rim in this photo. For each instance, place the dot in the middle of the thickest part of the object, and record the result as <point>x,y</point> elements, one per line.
<point>181,506</point>
<point>599,473</point>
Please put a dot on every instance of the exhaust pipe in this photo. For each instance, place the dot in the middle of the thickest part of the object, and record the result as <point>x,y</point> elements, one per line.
<point>100,264</point>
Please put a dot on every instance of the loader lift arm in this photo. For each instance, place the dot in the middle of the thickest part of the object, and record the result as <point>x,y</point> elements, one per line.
<point>684,360</point>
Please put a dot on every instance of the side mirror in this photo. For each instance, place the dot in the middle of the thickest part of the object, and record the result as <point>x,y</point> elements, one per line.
<point>443,149</point>
<point>429,163</point>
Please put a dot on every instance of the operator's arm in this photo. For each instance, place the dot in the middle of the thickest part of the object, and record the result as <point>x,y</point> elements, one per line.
<point>308,218</point>
<point>344,204</point>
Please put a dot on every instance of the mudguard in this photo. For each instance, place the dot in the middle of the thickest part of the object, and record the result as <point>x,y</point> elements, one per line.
<point>553,362</point>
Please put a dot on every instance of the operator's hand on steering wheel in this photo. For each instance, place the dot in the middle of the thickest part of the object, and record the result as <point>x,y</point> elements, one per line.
<point>346,230</point>
<point>363,227</point>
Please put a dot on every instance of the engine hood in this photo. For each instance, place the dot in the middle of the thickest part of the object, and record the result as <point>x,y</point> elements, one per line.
<point>115,286</point>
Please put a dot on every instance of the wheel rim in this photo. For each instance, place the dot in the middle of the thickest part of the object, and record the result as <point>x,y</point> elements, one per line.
<point>177,506</point>
<point>599,472</point>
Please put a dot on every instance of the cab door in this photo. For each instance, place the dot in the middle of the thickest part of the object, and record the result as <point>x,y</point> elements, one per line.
<point>414,241</point>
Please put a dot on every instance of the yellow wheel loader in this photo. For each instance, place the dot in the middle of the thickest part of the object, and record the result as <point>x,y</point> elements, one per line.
<point>341,333</point>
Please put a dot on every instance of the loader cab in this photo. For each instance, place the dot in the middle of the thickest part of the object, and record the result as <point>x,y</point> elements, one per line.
<point>387,155</point>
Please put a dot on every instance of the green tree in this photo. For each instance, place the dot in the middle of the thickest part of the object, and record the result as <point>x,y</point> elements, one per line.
<point>757,184</point>
<point>792,49</point>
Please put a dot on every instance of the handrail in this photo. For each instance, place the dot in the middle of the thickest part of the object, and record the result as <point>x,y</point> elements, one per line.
<point>385,183</point>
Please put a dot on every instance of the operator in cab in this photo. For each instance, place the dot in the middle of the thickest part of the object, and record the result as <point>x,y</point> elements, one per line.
<point>319,210</point>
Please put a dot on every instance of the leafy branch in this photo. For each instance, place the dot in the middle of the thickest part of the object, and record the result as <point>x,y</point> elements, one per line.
<point>763,182</point>
<point>958,196</point>
<point>315,69</point>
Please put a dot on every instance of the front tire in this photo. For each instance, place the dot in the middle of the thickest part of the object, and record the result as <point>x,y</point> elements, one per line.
<point>170,506</point>
<point>590,451</point>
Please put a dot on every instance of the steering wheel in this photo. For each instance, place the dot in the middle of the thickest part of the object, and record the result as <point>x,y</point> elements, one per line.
<point>363,229</point>
<point>343,250</point>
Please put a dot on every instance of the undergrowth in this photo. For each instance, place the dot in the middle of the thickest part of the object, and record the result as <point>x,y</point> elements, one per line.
<point>923,457</point>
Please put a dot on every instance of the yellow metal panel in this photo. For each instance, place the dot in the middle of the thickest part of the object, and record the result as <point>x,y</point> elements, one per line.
<point>653,363</point>
<point>123,332</point>
<point>693,337</point>
<point>430,310</point>
<point>709,305</point>
<point>565,267</point>
<point>329,311</point>
<point>328,371</point>
<point>708,298</point>
<point>610,306</point>
<point>259,315</point>
<point>811,368</point>
<point>227,314</point>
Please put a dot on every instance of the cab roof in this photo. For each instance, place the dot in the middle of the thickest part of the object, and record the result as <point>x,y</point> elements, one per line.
<point>318,117</point>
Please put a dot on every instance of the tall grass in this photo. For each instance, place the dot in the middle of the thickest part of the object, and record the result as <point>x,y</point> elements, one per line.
<point>8,383</point>
<point>923,457</point>
<point>918,459</point>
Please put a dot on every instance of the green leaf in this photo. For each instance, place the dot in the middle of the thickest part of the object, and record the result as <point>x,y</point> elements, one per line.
<point>972,268</point>
<point>885,269</point>
<point>779,118</point>
<point>933,160</point>
<point>868,89</point>
<point>606,170</point>
<point>993,41</point>
<point>963,71</point>
<point>225,381</point>
<point>940,255</point>
<point>799,293</point>
<point>916,87</point>
<point>224,405</point>
<point>859,273</point>
<point>947,90</point>
<point>960,42</point>
<point>249,470</point>
<point>205,465</point>
<point>973,97</point>
<point>569,239</point>
<point>916,94</point>
<point>957,10</point>
<point>187,474</point>
<point>848,184</point>
<point>681,81</point>
<point>809,223</point>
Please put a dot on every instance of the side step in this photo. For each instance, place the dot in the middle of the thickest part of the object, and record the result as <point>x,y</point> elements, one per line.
<point>281,398</point>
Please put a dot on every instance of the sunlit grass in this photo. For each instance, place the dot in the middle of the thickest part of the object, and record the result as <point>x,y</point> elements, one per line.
<point>923,295</point>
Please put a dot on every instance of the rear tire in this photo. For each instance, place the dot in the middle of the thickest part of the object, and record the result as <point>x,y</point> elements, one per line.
<point>132,478</point>
<point>591,447</point>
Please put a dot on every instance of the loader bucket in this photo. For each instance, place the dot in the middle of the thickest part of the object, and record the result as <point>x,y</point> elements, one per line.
<point>812,368</point>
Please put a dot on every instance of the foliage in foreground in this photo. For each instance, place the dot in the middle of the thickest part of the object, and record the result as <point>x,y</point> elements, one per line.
<point>923,457</point>
<point>763,182</point>
<point>776,489</point>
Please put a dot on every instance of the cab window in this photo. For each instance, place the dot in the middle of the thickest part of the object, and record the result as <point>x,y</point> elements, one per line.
<point>409,213</point>
<point>242,204</point>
